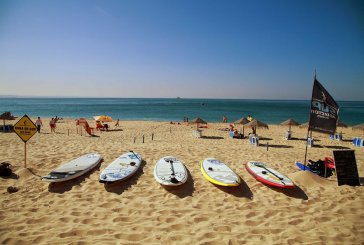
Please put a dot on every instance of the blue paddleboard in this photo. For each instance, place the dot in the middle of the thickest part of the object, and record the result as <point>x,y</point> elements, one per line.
<point>303,167</point>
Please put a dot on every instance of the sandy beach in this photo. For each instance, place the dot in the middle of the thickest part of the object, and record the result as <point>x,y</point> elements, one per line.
<point>140,211</point>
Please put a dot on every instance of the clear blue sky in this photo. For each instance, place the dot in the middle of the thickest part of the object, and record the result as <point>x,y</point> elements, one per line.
<point>196,49</point>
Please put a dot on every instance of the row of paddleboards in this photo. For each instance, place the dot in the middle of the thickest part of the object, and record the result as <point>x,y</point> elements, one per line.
<point>168,171</point>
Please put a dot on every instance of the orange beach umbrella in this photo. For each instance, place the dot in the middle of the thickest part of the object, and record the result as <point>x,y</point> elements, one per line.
<point>103,118</point>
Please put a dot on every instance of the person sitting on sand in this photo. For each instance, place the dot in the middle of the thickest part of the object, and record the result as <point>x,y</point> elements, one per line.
<point>106,127</point>
<point>99,125</point>
<point>231,127</point>
<point>237,135</point>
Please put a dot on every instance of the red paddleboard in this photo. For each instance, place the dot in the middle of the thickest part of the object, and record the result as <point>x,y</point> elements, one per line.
<point>268,176</point>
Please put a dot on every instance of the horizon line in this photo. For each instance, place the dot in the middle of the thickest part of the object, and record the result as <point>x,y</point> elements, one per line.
<point>177,98</point>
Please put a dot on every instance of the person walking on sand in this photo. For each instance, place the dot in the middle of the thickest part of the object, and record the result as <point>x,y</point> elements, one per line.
<point>225,119</point>
<point>52,124</point>
<point>39,124</point>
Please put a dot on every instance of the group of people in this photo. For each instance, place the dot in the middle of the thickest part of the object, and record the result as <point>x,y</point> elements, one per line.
<point>236,133</point>
<point>52,124</point>
<point>100,126</point>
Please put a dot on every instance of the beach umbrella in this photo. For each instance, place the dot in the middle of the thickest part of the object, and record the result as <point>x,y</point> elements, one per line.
<point>303,125</point>
<point>340,124</point>
<point>358,127</point>
<point>7,116</point>
<point>198,121</point>
<point>290,122</point>
<point>242,120</point>
<point>103,118</point>
<point>256,124</point>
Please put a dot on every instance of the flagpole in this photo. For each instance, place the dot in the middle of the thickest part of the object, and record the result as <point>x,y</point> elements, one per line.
<point>308,131</point>
<point>309,119</point>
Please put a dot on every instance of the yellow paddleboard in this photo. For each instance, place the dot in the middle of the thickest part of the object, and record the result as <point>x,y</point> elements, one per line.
<point>219,173</point>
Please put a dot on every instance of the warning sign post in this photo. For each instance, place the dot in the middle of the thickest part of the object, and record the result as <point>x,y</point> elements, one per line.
<point>25,129</point>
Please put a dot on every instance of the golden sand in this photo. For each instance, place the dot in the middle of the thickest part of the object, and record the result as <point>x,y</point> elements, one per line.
<point>140,211</point>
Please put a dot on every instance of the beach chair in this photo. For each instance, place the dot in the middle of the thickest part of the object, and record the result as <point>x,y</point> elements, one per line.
<point>253,140</point>
<point>288,135</point>
<point>197,133</point>
<point>339,136</point>
<point>359,142</point>
<point>355,140</point>
<point>332,137</point>
<point>231,134</point>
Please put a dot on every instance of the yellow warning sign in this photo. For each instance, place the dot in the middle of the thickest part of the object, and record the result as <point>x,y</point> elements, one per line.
<point>25,128</point>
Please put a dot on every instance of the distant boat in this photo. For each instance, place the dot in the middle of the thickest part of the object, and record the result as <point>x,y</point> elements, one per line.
<point>178,98</point>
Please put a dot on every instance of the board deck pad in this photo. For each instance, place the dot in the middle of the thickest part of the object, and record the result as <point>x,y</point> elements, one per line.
<point>219,173</point>
<point>170,171</point>
<point>121,168</point>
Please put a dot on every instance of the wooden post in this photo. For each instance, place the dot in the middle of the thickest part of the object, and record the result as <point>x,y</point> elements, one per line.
<point>25,154</point>
<point>68,132</point>
<point>143,138</point>
<point>77,129</point>
<point>152,136</point>
<point>267,145</point>
<point>170,130</point>
<point>134,140</point>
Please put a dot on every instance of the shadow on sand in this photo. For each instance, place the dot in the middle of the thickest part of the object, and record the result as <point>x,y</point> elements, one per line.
<point>62,187</point>
<point>339,147</point>
<point>296,192</point>
<point>183,190</point>
<point>276,146</point>
<point>12,176</point>
<point>120,186</point>
<point>264,138</point>
<point>242,191</point>
<point>212,137</point>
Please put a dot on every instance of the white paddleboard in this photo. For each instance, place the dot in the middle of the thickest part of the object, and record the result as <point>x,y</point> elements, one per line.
<point>74,168</point>
<point>170,171</point>
<point>219,173</point>
<point>121,168</point>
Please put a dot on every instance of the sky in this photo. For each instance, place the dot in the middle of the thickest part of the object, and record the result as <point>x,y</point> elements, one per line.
<point>238,49</point>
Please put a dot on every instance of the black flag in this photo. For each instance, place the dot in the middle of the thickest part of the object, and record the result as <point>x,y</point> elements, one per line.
<point>324,110</point>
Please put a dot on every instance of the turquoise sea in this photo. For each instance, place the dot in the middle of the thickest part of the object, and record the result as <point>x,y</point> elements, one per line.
<point>211,110</point>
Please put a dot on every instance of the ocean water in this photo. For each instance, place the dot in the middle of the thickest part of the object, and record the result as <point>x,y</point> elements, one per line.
<point>211,110</point>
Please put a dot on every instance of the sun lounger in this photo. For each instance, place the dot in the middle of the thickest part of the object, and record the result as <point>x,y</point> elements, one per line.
<point>288,135</point>
<point>231,134</point>
<point>253,139</point>
<point>196,133</point>
<point>359,142</point>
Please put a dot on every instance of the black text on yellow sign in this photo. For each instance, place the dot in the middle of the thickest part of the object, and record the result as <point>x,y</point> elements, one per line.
<point>25,128</point>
